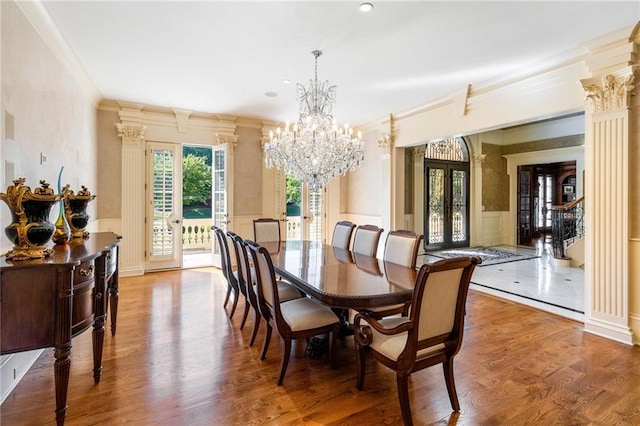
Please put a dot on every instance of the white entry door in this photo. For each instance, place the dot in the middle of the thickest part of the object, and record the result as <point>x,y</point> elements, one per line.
<point>164,206</point>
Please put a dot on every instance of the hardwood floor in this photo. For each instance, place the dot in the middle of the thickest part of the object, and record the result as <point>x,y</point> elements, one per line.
<point>178,360</point>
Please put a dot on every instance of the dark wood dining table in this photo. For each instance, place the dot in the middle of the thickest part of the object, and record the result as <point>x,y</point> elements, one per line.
<point>340,278</point>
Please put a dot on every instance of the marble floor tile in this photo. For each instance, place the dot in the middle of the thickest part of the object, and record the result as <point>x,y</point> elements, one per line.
<point>538,282</point>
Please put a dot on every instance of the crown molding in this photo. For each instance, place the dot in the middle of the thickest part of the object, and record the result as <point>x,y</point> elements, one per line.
<point>37,14</point>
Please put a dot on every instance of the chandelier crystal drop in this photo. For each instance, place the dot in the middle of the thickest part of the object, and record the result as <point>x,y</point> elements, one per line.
<point>315,150</point>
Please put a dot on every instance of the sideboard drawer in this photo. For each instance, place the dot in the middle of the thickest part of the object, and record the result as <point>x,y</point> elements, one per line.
<point>84,272</point>
<point>82,315</point>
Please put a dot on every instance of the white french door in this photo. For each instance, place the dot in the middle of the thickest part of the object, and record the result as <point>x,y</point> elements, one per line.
<point>304,212</point>
<point>220,195</point>
<point>164,206</point>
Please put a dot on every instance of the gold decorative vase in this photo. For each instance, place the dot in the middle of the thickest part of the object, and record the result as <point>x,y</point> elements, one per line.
<point>30,229</point>
<point>75,210</point>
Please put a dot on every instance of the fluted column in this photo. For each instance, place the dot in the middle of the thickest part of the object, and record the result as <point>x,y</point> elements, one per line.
<point>131,130</point>
<point>609,119</point>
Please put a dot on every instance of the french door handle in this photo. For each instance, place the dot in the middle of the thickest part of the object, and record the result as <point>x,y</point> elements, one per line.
<point>176,221</point>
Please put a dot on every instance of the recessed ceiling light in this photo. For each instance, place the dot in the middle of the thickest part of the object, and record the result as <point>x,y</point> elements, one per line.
<point>271,94</point>
<point>365,7</point>
<point>285,81</point>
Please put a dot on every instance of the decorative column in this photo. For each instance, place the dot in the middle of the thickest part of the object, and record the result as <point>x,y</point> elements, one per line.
<point>418,188</point>
<point>476,211</point>
<point>387,171</point>
<point>131,130</point>
<point>609,119</point>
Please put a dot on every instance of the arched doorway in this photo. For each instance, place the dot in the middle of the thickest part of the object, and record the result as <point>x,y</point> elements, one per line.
<point>446,194</point>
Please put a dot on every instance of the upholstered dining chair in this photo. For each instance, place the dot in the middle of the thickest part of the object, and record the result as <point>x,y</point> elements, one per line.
<point>294,319</point>
<point>342,234</point>
<point>430,335</point>
<point>365,240</point>
<point>227,271</point>
<point>401,248</point>
<point>266,230</point>
<point>247,277</point>
<point>243,277</point>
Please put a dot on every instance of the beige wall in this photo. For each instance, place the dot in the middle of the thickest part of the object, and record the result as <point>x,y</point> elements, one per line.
<point>365,183</point>
<point>52,115</point>
<point>495,181</point>
<point>109,166</point>
<point>541,145</point>
<point>248,172</point>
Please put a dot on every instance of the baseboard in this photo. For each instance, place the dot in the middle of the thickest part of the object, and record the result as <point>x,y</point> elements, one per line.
<point>634,322</point>
<point>13,367</point>
<point>609,331</point>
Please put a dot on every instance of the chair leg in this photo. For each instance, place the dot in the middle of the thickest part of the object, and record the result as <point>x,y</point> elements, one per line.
<point>226,298</point>
<point>256,325</point>
<point>235,302</point>
<point>403,395</point>
<point>245,314</point>
<point>361,363</point>
<point>267,339</point>
<point>285,360</point>
<point>447,366</point>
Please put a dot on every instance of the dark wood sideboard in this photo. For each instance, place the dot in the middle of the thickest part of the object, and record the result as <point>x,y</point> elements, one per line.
<point>46,302</point>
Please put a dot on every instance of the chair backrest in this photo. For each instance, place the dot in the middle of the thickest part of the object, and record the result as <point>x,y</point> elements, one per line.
<point>342,234</point>
<point>402,247</point>
<point>244,269</point>
<point>439,299</point>
<point>365,240</point>
<point>225,255</point>
<point>266,279</point>
<point>266,230</point>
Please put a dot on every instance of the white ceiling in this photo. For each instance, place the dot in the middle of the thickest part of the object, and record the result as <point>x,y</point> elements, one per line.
<point>222,57</point>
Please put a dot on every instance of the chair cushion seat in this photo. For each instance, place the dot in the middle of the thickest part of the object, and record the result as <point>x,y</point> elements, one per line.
<point>305,313</point>
<point>287,291</point>
<point>392,346</point>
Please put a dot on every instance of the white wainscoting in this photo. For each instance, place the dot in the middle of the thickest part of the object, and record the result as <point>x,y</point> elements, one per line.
<point>494,229</point>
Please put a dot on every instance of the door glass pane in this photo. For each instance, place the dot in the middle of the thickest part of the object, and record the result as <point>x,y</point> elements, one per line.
<point>294,208</point>
<point>219,189</point>
<point>315,207</point>
<point>435,207</point>
<point>459,206</point>
<point>163,235</point>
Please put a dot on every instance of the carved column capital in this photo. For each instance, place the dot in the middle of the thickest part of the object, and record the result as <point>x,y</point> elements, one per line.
<point>612,91</point>
<point>418,152</point>
<point>131,134</point>
<point>230,140</point>
<point>385,143</point>
<point>478,160</point>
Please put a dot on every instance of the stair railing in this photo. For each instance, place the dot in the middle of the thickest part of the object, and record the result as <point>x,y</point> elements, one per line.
<point>567,226</point>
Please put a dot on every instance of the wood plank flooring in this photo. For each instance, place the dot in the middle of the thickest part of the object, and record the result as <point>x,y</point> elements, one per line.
<point>177,359</point>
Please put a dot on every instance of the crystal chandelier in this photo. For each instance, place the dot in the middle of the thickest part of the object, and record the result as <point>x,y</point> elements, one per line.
<point>315,150</point>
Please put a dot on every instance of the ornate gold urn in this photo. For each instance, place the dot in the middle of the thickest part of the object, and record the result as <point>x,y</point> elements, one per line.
<point>30,229</point>
<point>75,210</point>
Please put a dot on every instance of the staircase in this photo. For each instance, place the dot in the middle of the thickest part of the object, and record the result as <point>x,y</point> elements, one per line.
<point>567,229</point>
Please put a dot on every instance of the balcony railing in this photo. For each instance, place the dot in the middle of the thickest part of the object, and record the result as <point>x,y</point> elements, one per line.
<point>196,234</point>
<point>567,226</point>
